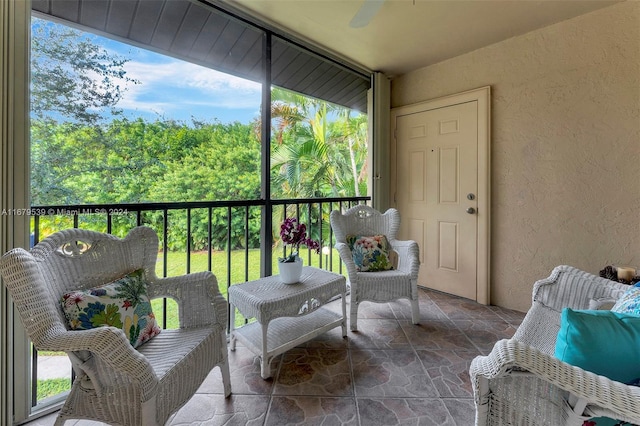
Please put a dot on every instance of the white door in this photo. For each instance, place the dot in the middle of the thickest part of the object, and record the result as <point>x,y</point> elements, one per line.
<point>436,192</point>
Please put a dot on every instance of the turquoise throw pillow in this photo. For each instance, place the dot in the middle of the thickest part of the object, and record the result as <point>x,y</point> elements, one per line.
<point>604,421</point>
<point>603,342</point>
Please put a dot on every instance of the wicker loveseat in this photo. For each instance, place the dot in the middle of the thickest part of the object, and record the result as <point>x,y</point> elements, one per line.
<point>115,382</point>
<point>521,382</point>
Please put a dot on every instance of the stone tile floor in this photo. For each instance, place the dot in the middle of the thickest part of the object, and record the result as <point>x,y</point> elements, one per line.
<point>389,372</point>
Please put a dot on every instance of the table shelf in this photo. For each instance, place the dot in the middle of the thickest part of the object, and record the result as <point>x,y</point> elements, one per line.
<point>288,332</point>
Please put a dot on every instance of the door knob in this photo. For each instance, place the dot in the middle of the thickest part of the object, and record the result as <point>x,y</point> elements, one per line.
<point>471,210</point>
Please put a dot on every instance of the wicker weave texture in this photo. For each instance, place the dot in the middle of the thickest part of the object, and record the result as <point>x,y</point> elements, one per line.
<point>287,314</point>
<point>268,298</point>
<point>521,383</point>
<point>116,383</point>
<point>383,286</point>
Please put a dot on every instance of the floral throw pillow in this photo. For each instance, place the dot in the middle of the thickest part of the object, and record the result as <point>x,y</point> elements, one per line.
<point>370,253</point>
<point>122,303</point>
<point>629,303</point>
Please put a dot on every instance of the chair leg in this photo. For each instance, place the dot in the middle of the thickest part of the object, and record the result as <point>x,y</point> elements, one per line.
<point>415,311</point>
<point>226,378</point>
<point>353,320</point>
<point>148,412</point>
<point>224,367</point>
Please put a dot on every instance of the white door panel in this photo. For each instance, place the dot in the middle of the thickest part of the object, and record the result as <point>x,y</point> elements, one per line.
<point>437,166</point>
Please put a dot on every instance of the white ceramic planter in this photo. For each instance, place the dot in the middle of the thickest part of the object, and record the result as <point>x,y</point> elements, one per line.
<point>290,272</point>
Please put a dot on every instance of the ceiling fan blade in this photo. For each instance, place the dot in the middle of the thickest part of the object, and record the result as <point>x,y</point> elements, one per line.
<point>366,12</point>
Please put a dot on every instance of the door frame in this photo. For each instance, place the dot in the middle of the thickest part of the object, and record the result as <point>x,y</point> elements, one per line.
<point>482,96</point>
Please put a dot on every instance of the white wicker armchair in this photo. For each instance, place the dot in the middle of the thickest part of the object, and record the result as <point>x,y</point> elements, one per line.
<point>116,383</point>
<point>521,382</point>
<point>382,286</point>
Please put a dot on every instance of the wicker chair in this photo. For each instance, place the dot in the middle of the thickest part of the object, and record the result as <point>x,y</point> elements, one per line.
<point>383,286</point>
<point>116,383</point>
<point>521,382</point>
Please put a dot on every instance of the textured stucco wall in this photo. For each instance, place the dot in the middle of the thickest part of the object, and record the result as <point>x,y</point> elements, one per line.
<point>565,144</point>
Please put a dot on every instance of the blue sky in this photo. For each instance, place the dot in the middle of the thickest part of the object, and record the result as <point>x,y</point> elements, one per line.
<point>174,89</point>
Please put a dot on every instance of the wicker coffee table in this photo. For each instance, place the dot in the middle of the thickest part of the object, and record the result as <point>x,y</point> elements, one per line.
<point>287,314</point>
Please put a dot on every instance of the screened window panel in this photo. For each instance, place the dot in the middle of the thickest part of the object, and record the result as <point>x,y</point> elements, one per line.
<point>204,35</point>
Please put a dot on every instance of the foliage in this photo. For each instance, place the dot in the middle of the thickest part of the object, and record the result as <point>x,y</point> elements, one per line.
<point>137,161</point>
<point>80,157</point>
<point>318,149</point>
<point>71,75</point>
<point>163,161</point>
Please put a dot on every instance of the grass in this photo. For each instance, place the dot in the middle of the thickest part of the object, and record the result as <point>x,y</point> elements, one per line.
<point>242,269</point>
<point>51,387</point>
<point>177,264</point>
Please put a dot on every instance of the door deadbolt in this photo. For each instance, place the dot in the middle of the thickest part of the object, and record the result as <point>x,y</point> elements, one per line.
<point>471,210</point>
<point>471,196</point>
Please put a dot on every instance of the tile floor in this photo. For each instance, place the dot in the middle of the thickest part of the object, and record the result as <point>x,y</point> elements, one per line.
<point>389,372</point>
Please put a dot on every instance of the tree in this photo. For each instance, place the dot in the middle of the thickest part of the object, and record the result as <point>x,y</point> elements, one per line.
<point>73,80</point>
<point>354,131</point>
<point>320,149</point>
<point>224,166</point>
<point>72,77</point>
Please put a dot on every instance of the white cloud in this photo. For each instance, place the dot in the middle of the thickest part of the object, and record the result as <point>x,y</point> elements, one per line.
<point>182,86</point>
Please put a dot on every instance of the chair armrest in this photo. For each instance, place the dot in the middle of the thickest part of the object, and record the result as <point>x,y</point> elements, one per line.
<point>568,287</point>
<point>565,287</point>
<point>111,345</point>
<point>199,299</point>
<point>512,358</point>
<point>408,256</point>
<point>347,258</point>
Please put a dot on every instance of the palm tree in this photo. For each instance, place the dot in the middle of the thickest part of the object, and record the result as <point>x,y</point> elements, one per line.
<point>355,131</point>
<point>321,147</point>
<point>318,150</point>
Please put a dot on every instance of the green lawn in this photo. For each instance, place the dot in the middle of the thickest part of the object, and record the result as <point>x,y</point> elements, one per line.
<point>177,265</point>
<point>51,387</point>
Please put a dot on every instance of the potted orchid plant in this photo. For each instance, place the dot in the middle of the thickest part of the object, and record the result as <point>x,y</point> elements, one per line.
<point>294,234</point>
